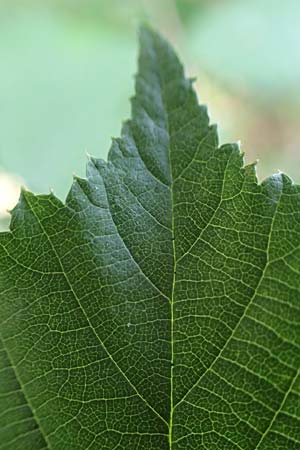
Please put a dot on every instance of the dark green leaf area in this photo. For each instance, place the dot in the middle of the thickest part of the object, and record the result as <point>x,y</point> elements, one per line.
<point>158,308</point>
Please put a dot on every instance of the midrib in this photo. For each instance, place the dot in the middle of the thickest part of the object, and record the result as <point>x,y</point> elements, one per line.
<point>170,434</point>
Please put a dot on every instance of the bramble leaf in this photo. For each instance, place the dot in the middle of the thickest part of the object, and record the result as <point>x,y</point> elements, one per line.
<point>158,309</point>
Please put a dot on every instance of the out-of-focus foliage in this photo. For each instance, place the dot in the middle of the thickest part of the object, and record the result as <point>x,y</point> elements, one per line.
<point>63,91</point>
<point>64,87</point>
<point>251,45</point>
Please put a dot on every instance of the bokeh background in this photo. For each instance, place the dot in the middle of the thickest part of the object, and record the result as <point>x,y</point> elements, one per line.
<point>66,74</point>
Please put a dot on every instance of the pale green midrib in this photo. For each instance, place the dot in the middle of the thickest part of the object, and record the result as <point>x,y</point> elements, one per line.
<point>162,83</point>
<point>172,180</point>
<point>289,390</point>
<point>88,320</point>
<point>40,428</point>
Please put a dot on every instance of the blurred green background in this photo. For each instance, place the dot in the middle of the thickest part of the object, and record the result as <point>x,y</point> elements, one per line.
<point>67,70</point>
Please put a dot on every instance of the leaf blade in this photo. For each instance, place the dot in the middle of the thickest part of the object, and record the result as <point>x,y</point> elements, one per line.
<point>158,308</point>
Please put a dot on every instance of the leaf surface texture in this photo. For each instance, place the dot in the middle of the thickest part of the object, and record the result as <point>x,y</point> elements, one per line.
<point>158,308</point>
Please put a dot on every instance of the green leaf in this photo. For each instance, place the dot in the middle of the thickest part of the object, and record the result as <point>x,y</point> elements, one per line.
<point>158,309</point>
